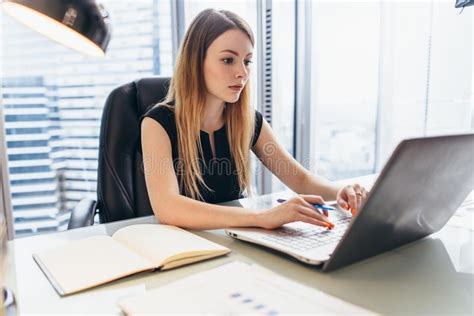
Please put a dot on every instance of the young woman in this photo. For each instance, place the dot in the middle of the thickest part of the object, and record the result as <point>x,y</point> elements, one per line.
<point>196,144</point>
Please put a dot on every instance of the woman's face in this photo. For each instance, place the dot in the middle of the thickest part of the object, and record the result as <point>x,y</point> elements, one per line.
<point>227,66</point>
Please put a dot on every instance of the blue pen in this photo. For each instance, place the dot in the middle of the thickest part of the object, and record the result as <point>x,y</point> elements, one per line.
<point>319,206</point>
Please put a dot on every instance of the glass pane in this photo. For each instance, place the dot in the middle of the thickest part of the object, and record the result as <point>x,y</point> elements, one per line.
<point>384,71</point>
<point>53,99</point>
<point>344,70</point>
<point>426,73</point>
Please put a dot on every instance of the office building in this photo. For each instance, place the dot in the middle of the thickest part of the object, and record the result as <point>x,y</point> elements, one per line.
<point>53,99</point>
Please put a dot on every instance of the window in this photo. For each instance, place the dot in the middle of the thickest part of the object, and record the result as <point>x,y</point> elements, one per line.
<point>344,81</point>
<point>52,104</point>
<point>426,72</point>
<point>382,72</point>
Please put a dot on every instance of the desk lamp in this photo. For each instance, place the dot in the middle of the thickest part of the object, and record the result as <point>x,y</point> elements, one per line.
<point>82,25</point>
<point>463,3</point>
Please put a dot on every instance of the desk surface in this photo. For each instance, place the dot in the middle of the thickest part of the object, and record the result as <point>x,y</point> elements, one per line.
<point>432,275</point>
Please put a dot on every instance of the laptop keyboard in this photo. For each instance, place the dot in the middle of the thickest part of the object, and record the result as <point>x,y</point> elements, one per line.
<point>309,236</point>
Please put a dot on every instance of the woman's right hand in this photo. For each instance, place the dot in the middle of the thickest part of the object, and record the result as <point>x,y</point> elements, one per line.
<point>296,209</point>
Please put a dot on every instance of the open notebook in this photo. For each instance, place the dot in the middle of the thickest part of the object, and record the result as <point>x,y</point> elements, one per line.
<point>90,262</point>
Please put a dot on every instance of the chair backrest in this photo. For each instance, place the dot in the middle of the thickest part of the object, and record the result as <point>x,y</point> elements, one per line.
<point>121,188</point>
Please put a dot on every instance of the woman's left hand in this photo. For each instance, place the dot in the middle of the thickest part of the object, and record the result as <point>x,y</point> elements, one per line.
<point>351,197</point>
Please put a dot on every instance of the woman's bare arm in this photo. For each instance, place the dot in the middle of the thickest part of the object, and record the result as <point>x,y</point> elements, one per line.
<point>277,159</point>
<point>162,185</point>
<point>172,208</point>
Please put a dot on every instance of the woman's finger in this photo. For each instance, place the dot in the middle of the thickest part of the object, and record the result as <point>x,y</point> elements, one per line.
<point>309,211</point>
<point>364,193</point>
<point>361,196</point>
<point>359,199</point>
<point>343,203</point>
<point>311,206</point>
<point>311,220</point>
<point>313,199</point>
<point>351,197</point>
<point>357,187</point>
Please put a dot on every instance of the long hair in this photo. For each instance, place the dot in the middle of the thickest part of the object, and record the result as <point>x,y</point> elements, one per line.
<point>188,92</point>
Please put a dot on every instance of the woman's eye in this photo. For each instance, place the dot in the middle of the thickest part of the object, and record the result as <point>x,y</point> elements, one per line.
<point>229,61</point>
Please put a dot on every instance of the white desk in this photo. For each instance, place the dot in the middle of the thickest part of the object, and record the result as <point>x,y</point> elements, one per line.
<point>433,275</point>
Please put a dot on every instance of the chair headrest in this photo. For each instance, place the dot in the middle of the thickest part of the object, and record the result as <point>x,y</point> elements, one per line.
<point>151,91</point>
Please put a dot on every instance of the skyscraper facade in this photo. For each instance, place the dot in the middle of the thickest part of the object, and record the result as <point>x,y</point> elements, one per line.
<point>53,99</point>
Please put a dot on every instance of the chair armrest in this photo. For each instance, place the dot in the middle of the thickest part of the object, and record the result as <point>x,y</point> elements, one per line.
<point>83,214</point>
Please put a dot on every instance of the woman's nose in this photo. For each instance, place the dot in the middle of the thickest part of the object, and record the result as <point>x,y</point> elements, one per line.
<point>242,71</point>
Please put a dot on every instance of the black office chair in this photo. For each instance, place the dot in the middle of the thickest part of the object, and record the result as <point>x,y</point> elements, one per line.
<point>121,188</point>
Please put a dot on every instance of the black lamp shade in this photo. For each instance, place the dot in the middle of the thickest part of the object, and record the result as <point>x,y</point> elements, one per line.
<point>82,25</point>
<point>463,3</point>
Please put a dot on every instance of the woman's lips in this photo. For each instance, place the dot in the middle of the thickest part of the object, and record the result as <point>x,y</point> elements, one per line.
<point>236,88</point>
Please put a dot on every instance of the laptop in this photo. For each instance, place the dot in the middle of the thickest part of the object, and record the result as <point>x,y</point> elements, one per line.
<point>421,186</point>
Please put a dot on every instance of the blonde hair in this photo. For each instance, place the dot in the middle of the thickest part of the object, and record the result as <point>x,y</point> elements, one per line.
<point>188,92</point>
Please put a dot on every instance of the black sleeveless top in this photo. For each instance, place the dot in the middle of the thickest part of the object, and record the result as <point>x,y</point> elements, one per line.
<point>218,173</point>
